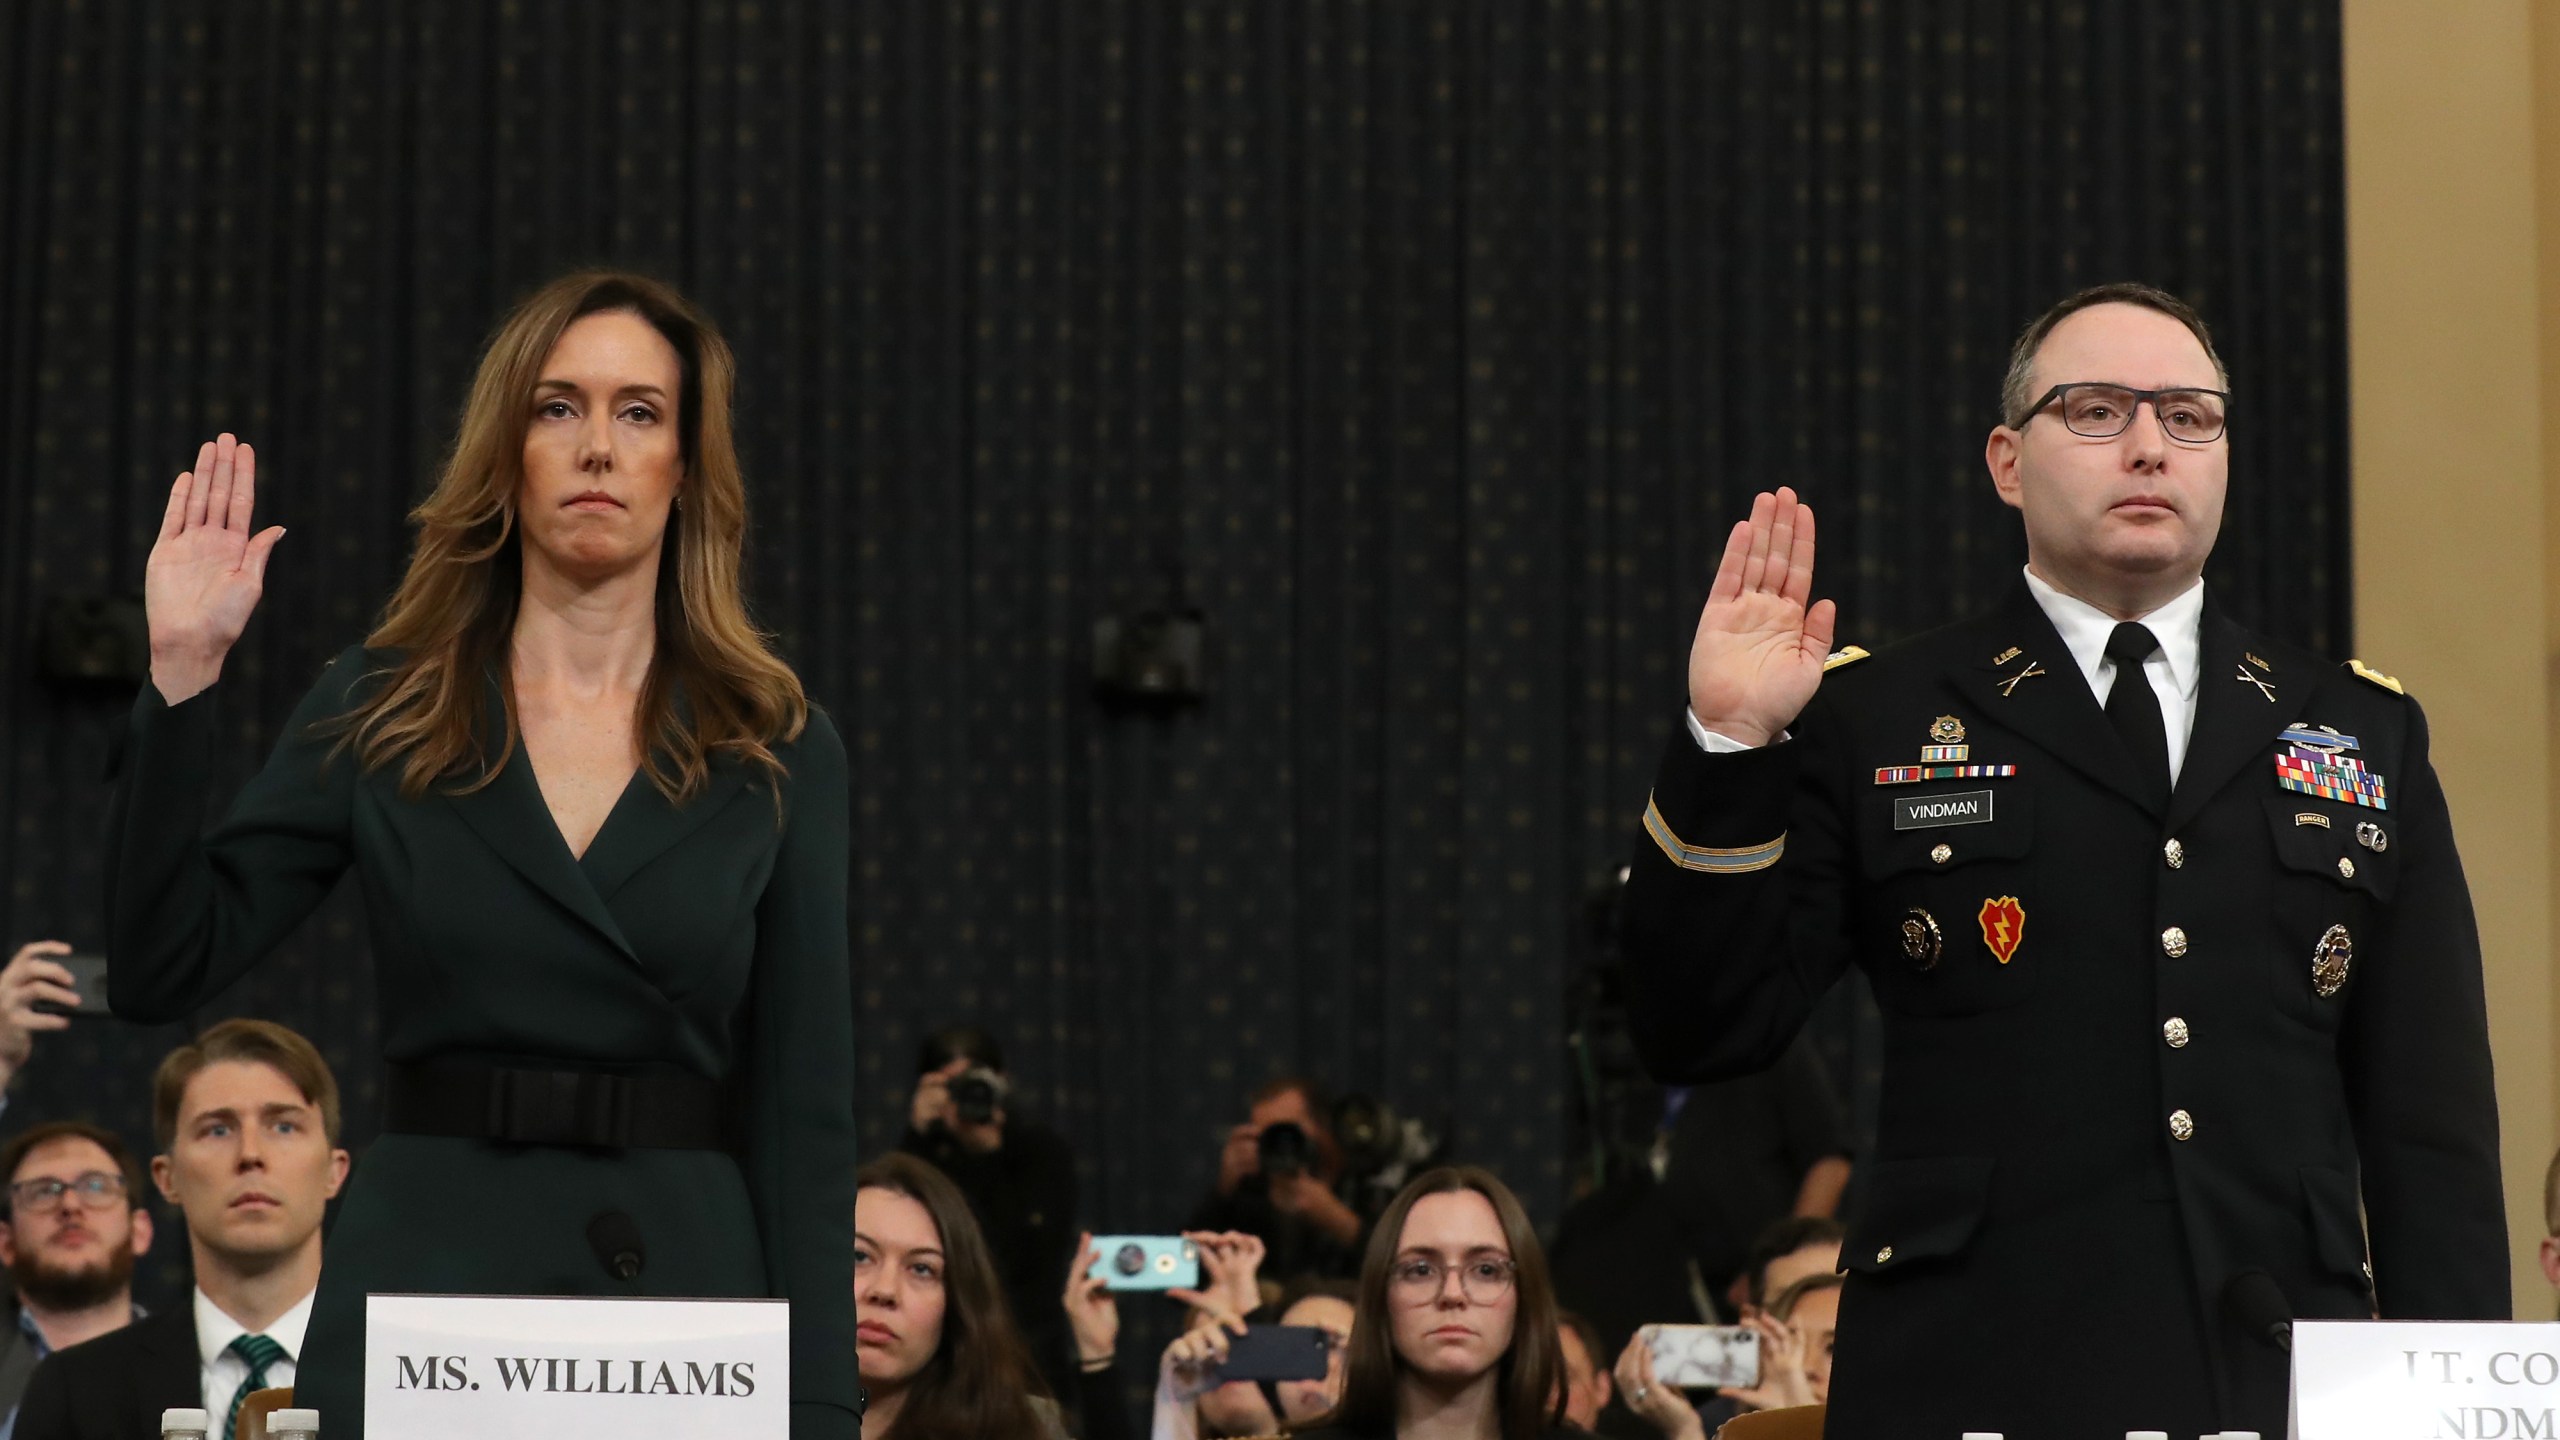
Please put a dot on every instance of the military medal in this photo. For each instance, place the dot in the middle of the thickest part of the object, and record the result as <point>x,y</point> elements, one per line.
<point>2004,926</point>
<point>1921,940</point>
<point>2329,776</point>
<point>1914,774</point>
<point>2330,961</point>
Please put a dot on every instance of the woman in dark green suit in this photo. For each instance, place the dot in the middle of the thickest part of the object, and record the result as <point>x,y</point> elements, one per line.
<point>602,838</point>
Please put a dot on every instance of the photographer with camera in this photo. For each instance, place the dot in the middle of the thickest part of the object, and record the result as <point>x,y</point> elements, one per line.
<point>1279,1178</point>
<point>1018,1176</point>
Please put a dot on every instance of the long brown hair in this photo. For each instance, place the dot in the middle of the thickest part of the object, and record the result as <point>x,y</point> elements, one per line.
<point>455,610</point>
<point>980,1381</point>
<point>1531,1394</point>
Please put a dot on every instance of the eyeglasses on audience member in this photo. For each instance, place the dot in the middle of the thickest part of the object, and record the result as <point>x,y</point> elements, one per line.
<point>96,1190</point>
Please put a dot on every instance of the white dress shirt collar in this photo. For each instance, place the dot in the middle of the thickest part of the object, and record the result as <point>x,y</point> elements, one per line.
<point>216,1330</point>
<point>2084,628</point>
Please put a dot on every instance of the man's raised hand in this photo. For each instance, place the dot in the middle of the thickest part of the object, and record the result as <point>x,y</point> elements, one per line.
<point>206,570</point>
<point>1760,646</point>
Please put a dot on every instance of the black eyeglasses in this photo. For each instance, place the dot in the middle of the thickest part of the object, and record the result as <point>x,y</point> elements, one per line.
<point>2101,411</point>
<point>96,1190</point>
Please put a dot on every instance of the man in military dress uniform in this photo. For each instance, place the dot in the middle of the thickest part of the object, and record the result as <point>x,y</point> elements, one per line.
<point>2184,1032</point>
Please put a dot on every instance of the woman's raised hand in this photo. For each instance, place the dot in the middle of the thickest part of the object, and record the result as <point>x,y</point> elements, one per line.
<point>206,571</point>
<point>1762,638</point>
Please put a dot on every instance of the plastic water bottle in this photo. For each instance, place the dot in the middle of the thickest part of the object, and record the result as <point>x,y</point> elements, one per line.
<point>2146,1435</point>
<point>294,1425</point>
<point>1982,1435</point>
<point>178,1424</point>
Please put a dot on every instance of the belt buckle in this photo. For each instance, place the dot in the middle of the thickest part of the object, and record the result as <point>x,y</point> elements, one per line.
<point>559,1107</point>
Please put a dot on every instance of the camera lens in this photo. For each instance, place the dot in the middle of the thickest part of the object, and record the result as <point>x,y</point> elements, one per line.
<point>1284,1148</point>
<point>1130,1260</point>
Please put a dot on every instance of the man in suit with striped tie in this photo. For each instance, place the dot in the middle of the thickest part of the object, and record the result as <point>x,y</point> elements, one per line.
<point>247,1118</point>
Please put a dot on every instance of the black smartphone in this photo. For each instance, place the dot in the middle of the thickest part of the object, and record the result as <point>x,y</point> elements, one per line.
<point>1275,1352</point>
<point>89,977</point>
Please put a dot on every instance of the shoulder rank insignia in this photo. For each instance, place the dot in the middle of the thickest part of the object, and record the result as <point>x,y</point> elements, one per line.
<point>1846,655</point>
<point>2376,676</point>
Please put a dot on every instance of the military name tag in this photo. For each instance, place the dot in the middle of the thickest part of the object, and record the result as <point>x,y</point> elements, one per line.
<point>1920,812</point>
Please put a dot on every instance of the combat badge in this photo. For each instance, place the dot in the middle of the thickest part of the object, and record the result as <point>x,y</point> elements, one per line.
<point>2004,926</point>
<point>2330,961</point>
<point>2372,837</point>
<point>1921,940</point>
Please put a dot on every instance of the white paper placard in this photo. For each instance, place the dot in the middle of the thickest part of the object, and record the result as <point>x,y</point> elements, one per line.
<point>522,1367</point>
<point>2425,1380</point>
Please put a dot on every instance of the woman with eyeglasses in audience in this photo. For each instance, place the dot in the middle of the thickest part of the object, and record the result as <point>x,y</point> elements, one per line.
<point>1453,1333</point>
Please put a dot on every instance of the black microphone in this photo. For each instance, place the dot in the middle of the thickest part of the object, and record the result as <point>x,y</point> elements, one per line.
<point>2257,1304</point>
<point>615,1237</point>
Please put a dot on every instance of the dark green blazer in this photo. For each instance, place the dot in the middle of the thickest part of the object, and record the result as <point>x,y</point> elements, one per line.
<point>708,939</point>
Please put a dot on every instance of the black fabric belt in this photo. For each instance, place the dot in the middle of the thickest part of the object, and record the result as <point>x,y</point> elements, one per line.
<point>575,1109</point>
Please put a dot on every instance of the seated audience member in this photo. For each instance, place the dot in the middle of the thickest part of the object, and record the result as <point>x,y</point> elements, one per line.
<point>247,1119</point>
<point>31,977</point>
<point>1670,1242</point>
<point>1795,1362</point>
<point>1587,1386</point>
<point>1454,1333</point>
<point>1785,1253</point>
<point>2551,1224</point>
<point>937,1351</point>
<point>74,1227</point>
<point>1228,1263</point>
<point>1277,1178</point>
<point>1019,1177</point>
<point>1192,1399</point>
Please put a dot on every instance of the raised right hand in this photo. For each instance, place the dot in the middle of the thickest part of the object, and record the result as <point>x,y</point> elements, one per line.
<point>206,571</point>
<point>1760,646</point>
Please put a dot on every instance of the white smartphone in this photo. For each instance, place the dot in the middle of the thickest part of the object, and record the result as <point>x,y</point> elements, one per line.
<point>1704,1357</point>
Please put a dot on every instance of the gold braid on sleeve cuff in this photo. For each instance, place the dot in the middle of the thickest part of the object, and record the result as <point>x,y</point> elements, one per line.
<point>1738,861</point>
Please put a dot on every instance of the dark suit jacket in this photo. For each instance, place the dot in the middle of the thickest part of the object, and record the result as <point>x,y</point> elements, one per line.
<point>114,1387</point>
<point>708,939</point>
<point>2082,1146</point>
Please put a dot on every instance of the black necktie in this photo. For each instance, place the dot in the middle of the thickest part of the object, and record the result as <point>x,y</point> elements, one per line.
<point>2133,706</point>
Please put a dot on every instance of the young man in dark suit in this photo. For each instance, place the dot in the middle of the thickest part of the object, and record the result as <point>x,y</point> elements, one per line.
<point>2184,1023</point>
<point>247,1118</point>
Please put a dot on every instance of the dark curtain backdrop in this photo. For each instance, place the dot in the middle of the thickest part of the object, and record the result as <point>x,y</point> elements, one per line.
<point>1429,348</point>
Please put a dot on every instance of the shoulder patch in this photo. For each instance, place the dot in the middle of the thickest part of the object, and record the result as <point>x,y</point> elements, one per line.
<point>2376,676</point>
<point>1847,655</point>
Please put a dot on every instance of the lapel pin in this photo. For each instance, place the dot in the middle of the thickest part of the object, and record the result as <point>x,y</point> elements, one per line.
<point>2009,684</point>
<point>2254,660</point>
<point>2242,672</point>
<point>2005,656</point>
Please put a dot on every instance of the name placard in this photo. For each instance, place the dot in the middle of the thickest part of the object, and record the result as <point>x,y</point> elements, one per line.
<point>2425,1380</point>
<point>519,1367</point>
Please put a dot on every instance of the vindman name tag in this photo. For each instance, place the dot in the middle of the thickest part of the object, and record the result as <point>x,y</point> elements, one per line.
<point>516,1367</point>
<point>1921,812</point>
